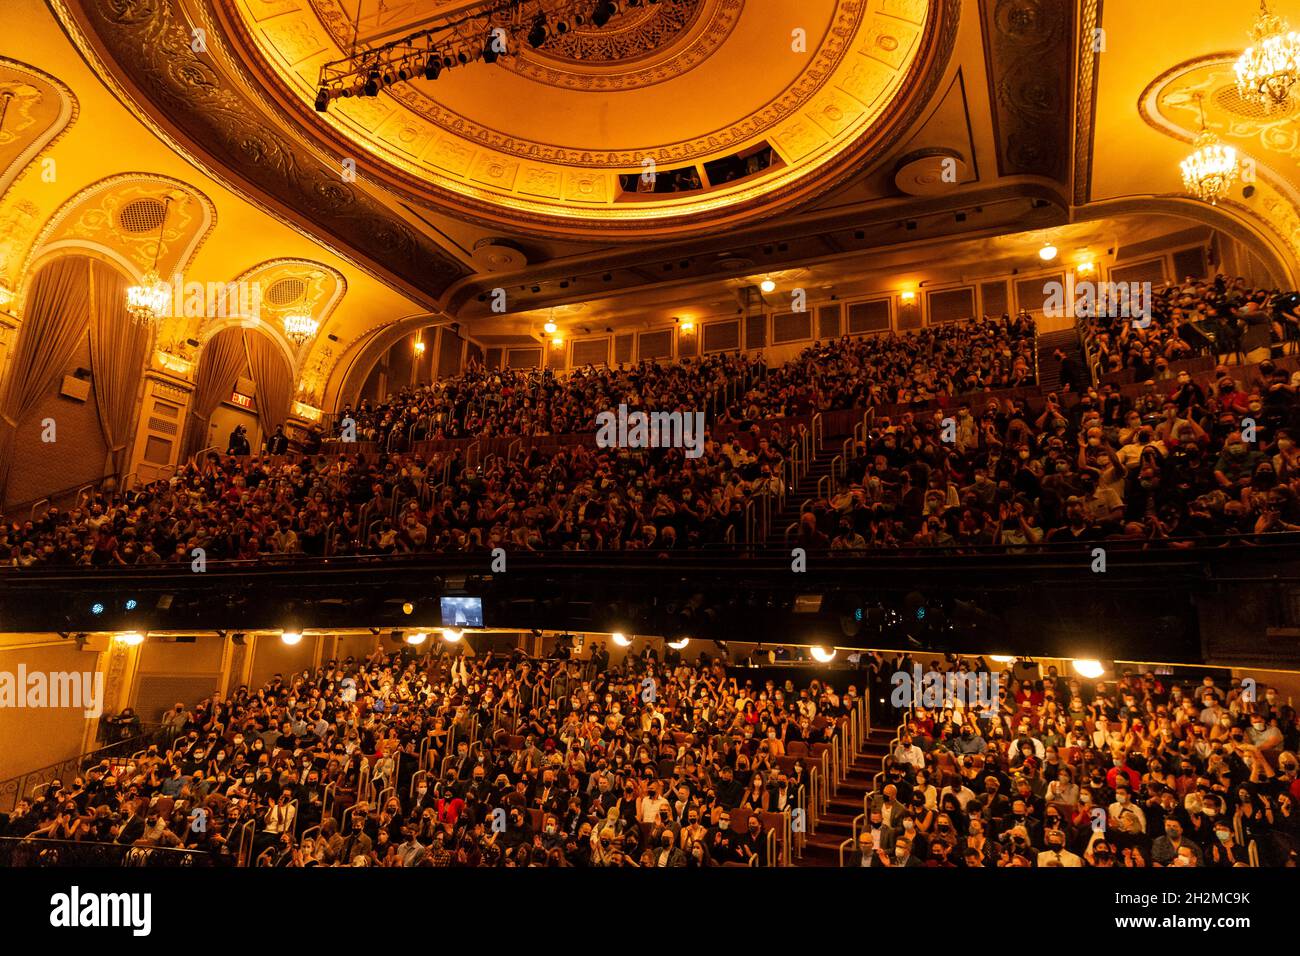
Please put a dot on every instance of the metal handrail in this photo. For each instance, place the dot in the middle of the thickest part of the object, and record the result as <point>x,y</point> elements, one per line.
<point>23,785</point>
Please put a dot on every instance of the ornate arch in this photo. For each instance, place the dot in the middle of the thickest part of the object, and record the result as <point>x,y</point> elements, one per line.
<point>40,109</point>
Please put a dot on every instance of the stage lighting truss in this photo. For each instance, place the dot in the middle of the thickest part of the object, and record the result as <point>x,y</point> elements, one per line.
<point>489,31</point>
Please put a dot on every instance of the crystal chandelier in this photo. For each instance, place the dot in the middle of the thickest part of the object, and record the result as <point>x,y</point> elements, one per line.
<point>299,328</point>
<point>147,302</point>
<point>1211,170</point>
<point>1269,70</point>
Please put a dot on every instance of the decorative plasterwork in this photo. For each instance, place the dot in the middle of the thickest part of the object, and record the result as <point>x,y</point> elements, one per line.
<point>1268,144</point>
<point>40,110</point>
<point>226,125</point>
<point>866,75</point>
<point>1028,48</point>
<point>90,220</point>
<point>1091,42</point>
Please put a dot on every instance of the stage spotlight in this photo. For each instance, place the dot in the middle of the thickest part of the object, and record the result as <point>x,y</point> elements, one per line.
<point>540,33</point>
<point>604,10</point>
<point>432,68</point>
<point>371,87</point>
<point>130,604</point>
<point>1089,669</point>
<point>408,608</point>
<point>490,51</point>
<point>97,608</point>
<point>322,100</point>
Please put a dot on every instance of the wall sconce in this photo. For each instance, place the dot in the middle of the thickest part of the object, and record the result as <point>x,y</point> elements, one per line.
<point>305,411</point>
<point>908,296</point>
<point>419,346</point>
<point>174,363</point>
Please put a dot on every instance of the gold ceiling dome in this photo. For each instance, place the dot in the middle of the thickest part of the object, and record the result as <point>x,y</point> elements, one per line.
<point>670,118</point>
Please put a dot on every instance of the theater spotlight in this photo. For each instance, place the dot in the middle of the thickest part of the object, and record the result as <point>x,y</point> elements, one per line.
<point>371,87</point>
<point>291,637</point>
<point>823,654</point>
<point>322,100</point>
<point>432,67</point>
<point>490,52</point>
<point>408,608</point>
<point>539,33</point>
<point>415,640</point>
<point>604,10</point>
<point>451,635</point>
<point>1088,668</point>
<point>621,640</point>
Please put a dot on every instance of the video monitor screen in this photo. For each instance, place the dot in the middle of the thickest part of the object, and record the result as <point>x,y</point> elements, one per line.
<point>462,612</point>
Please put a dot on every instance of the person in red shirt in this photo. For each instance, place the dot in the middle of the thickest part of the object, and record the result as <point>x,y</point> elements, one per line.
<point>1121,767</point>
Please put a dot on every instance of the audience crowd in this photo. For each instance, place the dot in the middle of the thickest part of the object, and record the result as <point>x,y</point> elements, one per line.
<point>1172,464</point>
<point>1146,770</point>
<point>846,373</point>
<point>458,760</point>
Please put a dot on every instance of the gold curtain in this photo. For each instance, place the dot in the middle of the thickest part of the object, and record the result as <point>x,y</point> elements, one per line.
<point>54,320</point>
<point>274,378</point>
<point>220,363</point>
<point>118,349</point>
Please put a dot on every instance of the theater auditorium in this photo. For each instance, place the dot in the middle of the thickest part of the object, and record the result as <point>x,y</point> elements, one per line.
<point>487,434</point>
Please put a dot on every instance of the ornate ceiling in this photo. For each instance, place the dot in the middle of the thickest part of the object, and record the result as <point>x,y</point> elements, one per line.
<point>540,139</point>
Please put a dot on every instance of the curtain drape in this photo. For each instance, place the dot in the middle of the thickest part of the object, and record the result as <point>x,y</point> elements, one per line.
<point>118,349</point>
<point>54,320</point>
<point>274,378</point>
<point>220,363</point>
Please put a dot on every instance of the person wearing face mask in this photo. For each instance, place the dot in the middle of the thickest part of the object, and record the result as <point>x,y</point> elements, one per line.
<point>1166,850</point>
<point>1056,853</point>
<point>902,855</point>
<point>1264,736</point>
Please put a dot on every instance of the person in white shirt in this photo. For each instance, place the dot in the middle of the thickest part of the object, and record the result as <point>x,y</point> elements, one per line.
<point>909,753</point>
<point>1056,854</point>
<point>1124,814</point>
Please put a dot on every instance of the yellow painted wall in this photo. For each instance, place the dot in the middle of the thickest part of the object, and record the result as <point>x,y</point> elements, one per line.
<point>36,737</point>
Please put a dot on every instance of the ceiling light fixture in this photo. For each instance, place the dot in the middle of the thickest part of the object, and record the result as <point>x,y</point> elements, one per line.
<point>1047,253</point>
<point>679,644</point>
<point>823,654</point>
<point>299,327</point>
<point>451,635</point>
<point>1267,72</point>
<point>147,301</point>
<point>621,639</point>
<point>129,638</point>
<point>291,637</point>
<point>767,285</point>
<point>550,328</point>
<point>1211,169</point>
<point>415,640</point>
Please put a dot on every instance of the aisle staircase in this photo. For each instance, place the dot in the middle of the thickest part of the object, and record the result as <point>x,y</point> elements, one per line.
<point>825,467</point>
<point>1049,369</point>
<point>822,846</point>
